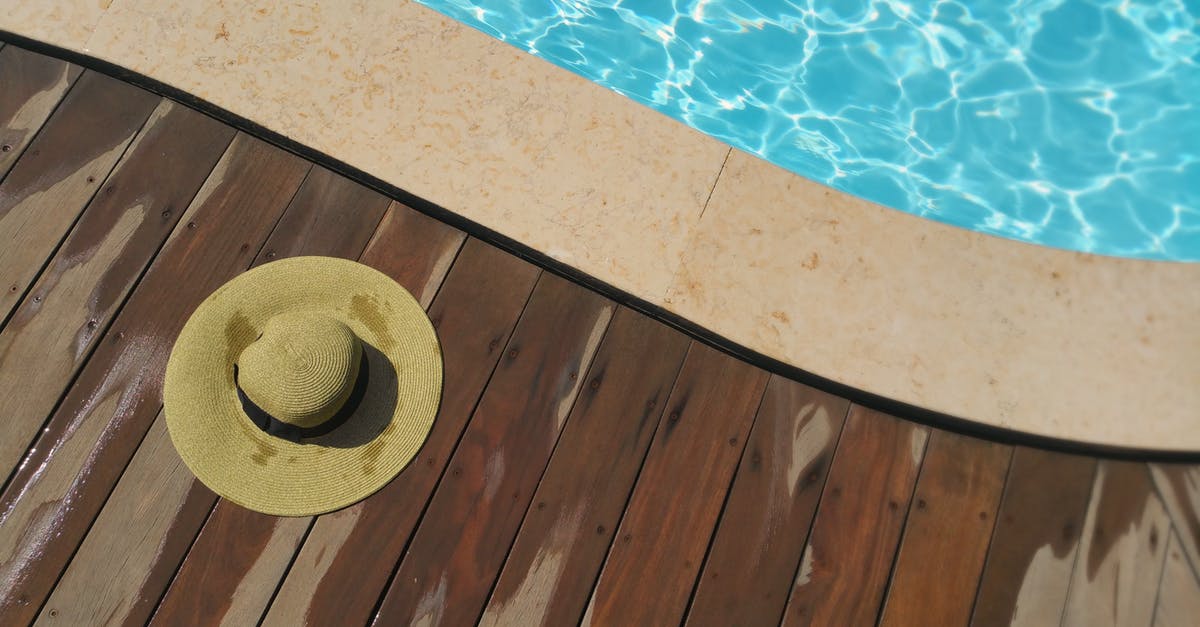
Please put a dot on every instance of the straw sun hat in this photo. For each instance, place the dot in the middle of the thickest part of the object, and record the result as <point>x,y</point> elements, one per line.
<point>303,385</point>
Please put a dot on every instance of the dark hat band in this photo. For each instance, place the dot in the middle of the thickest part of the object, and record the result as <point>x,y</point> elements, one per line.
<point>290,432</point>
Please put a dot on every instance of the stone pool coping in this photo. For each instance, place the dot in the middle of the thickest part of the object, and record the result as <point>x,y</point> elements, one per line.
<point>1084,348</point>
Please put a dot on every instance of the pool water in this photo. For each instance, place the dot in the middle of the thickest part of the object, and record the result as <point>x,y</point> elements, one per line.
<point>1067,123</point>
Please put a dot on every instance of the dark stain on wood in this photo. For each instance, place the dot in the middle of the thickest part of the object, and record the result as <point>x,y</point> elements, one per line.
<point>1044,505</point>
<point>762,534</point>
<point>458,549</point>
<point>115,239</point>
<point>843,573</point>
<point>33,86</point>
<point>118,392</point>
<point>548,576</point>
<point>650,571</point>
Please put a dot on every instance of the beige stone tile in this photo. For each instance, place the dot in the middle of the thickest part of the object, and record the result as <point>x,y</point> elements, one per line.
<point>1024,337</point>
<point>64,23</point>
<point>444,112</point>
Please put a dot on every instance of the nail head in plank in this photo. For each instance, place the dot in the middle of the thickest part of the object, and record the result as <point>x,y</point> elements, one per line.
<point>56,177</point>
<point>1121,551</point>
<point>845,567</point>
<point>460,545</point>
<point>344,566</point>
<point>762,533</point>
<point>236,590</point>
<point>660,544</point>
<point>549,573</point>
<point>122,527</point>
<point>34,84</point>
<point>1028,567</point>
<point>116,238</point>
<point>61,485</point>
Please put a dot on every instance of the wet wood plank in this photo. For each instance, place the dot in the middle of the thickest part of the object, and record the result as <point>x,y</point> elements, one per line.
<point>660,544</point>
<point>347,559</point>
<point>1179,487</point>
<point>133,540</point>
<point>61,485</point>
<point>344,215</point>
<point>60,320</point>
<point>33,86</point>
<point>845,567</point>
<point>762,533</point>
<point>240,556</point>
<point>548,576</point>
<point>458,549</point>
<point>1179,593</point>
<point>1121,551</point>
<point>60,171</point>
<point>1028,569</point>
<point>949,527</point>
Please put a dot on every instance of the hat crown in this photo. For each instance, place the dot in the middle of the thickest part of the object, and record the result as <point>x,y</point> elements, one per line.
<point>302,369</point>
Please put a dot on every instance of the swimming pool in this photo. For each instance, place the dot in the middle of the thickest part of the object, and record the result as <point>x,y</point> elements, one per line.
<point>1073,124</point>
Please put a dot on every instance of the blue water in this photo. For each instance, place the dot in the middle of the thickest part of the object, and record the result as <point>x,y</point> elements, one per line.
<point>1072,124</point>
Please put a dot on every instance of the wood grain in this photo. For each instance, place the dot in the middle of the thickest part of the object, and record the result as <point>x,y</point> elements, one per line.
<point>240,556</point>
<point>949,527</point>
<point>1179,593</point>
<point>762,533</point>
<point>152,546</point>
<point>61,319</point>
<point>1121,551</point>
<point>63,482</point>
<point>1028,570</point>
<point>111,579</point>
<point>1179,487</point>
<point>549,573</point>
<point>33,86</point>
<point>460,545</point>
<point>661,541</point>
<point>344,566</point>
<point>845,567</point>
<point>60,171</point>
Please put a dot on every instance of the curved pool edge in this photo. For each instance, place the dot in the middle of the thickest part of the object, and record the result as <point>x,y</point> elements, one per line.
<point>738,311</point>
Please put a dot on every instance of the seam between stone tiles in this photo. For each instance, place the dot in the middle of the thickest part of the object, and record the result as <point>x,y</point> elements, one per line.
<point>691,236</point>
<point>716,180</point>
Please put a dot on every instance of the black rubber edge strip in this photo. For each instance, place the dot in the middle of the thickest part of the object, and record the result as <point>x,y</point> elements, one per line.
<point>886,405</point>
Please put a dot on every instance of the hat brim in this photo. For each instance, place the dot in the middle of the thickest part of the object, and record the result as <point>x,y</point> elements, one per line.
<point>242,463</point>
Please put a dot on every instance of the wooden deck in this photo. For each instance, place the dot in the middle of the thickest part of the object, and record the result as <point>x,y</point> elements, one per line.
<point>588,464</point>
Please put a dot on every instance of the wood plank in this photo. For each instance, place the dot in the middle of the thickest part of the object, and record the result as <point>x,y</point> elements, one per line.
<point>1179,487</point>
<point>660,544</point>
<point>460,545</point>
<point>549,573</point>
<point>61,485</point>
<point>329,215</point>
<point>1179,593</point>
<point>762,533</point>
<point>33,86</point>
<point>946,536</point>
<point>240,556</point>
<point>61,319</point>
<point>347,559</point>
<point>132,536</point>
<point>1121,550</point>
<point>850,550</point>
<point>1028,568</point>
<point>60,171</point>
